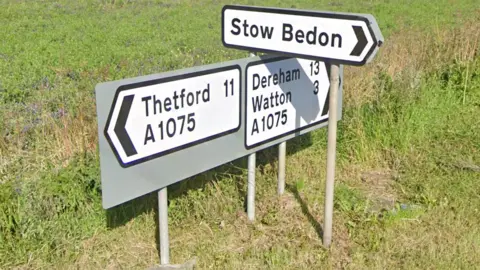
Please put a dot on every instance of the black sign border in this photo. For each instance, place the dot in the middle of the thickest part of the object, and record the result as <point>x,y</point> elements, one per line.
<point>301,13</point>
<point>266,61</point>
<point>165,80</point>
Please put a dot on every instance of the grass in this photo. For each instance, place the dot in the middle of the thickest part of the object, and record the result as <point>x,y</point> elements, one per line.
<point>407,193</point>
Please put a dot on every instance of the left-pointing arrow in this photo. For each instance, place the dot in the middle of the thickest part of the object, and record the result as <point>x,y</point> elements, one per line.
<point>361,41</point>
<point>120,130</point>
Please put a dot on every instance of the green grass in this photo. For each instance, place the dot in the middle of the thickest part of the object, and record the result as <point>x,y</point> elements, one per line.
<point>409,136</point>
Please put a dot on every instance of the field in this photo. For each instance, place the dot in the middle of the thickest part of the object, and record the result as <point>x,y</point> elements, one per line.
<point>407,191</point>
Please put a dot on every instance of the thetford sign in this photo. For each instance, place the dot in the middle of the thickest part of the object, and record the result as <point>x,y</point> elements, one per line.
<point>156,117</point>
<point>344,38</point>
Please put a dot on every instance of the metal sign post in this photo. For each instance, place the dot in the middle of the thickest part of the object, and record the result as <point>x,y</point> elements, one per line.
<point>251,182</point>
<point>282,152</point>
<point>251,187</point>
<point>163,226</point>
<point>331,151</point>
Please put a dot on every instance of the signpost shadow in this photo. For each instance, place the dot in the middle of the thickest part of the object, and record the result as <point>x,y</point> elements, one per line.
<point>119,215</point>
<point>313,221</point>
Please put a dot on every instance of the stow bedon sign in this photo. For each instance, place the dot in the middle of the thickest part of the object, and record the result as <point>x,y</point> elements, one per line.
<point>343,38</point>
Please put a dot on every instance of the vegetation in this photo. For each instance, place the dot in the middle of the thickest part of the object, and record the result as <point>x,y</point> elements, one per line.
<point>407,192</point>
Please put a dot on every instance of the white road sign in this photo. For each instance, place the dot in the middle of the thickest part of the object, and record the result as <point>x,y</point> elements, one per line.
<point>154,118</point>
<point>344,38</point>
<point>158,129</point>
<point>284,97</point>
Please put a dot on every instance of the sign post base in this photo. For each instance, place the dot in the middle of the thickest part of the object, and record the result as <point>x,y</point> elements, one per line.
<point>189,265</point>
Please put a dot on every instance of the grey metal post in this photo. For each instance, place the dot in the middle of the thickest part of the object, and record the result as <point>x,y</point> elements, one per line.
<point>251,182</point>
<point>251,187</point>
<point>163,226</point>
<point>331,151</point>
<point>282,150</point>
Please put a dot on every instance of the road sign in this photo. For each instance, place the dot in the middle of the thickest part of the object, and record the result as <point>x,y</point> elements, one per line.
<point>203,132</point>
<point>284,97</point>
<point>343,38</point>
<point>153,118</point>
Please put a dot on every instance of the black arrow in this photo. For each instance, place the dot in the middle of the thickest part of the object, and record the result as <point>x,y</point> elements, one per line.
<point>326,105</point>
<point>361,41</point>
<point>327,99</point>
<point>120,130</point>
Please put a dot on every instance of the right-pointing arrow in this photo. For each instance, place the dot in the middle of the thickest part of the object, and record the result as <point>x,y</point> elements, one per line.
<point>361,41</point>
<point>326,104</point>
<point>120,130</point>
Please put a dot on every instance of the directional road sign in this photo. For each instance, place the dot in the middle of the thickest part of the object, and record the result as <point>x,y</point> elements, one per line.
<point>159,129</point>
<point>283,97</point>
<point>153,118</point>
<point>343,38</point>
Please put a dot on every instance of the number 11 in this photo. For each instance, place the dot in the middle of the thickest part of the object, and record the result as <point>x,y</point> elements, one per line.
<point>226,87</point>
